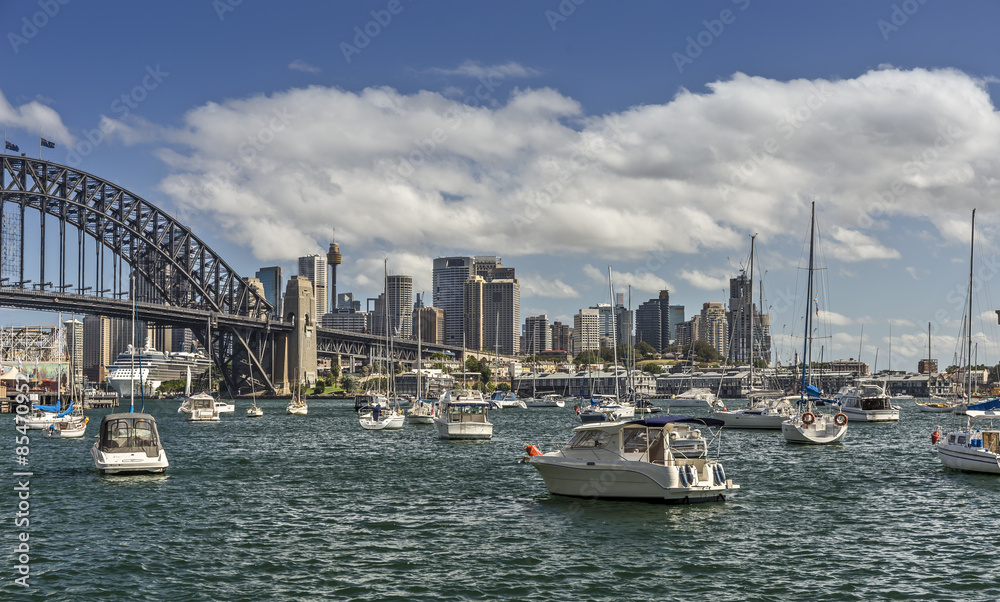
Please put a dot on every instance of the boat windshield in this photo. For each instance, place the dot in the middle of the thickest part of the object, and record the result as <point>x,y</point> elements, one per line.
<point>635,440</point>
<point>129,435</point>
<point>590,439</point>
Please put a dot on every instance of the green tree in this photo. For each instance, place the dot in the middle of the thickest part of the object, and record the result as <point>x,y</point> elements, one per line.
<point>349,383</point>
<point>365,371</point>
<point>705,353</point>
<point>652,368</point>
<point>644,350</point>
<point>335,371</point>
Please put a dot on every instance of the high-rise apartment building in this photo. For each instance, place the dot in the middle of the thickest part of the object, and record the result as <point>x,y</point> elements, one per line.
<point>537,335</point>
<point>648,324</point>
<point>96,347</point>
<point>714,328</point>
<point>313,268</point>
<point>73,331</point>
<point>606,319</point>
<point>502,315</point>
<point>676,317</point>
<point>562,337</point>
<point>586,331</point>
<point>270,279</point>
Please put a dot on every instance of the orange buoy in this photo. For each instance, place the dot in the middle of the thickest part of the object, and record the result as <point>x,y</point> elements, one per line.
<point>934,437</point>
<point>532,450</point>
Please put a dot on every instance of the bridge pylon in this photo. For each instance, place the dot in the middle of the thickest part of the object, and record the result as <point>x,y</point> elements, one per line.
<point>295,352</point>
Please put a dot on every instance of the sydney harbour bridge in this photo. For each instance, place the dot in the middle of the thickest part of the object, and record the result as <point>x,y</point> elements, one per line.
<point>93,247</point>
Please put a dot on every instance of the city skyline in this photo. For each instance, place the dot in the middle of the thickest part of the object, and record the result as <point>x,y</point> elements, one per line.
<point>655,140</point>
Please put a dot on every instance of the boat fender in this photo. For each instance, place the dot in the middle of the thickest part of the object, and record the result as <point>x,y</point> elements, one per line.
<point>722,474</point>
<point>692,474</point>
<point>682,472</point>
<point>808,418</point>
<point>532,450</point>
<point>840,419</point>
<point>934,437</point>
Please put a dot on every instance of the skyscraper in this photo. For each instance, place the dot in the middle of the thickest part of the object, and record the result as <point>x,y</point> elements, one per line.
<point>73,330</point>
<point>537,334</point>
<point>450,274</point>
<point>749,330</point>
<point>502,314</point>
<point>313,268</point>
<point>648,324</point>
<point>270,278</point>
<point>714,328</point>
<point>586,331</point>
<point>400,289</point>
<point>96,347</point>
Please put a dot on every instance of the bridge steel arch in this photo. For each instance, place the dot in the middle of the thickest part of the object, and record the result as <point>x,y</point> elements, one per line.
<point>175,267</point>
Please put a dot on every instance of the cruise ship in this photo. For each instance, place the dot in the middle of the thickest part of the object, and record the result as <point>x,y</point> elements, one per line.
<point>148,368</point>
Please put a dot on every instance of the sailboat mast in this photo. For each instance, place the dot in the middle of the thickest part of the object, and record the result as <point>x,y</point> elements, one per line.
<point>750,307</point>
<point>614,335</point>
<point>806,344</point>
<point>972,255</point>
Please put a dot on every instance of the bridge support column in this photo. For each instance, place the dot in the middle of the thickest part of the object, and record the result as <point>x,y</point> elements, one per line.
<point>295,353</point>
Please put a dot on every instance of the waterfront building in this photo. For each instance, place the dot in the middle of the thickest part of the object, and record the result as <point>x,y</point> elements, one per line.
<point>586,336</point>
<point>313,268</point>
<point>597,382</point>
<point>928,366</point>
<point>270,279</point>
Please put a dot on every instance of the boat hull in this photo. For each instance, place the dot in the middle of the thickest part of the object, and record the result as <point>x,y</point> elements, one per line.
<point>821,432</point>
<point>629,481</point>
<point>463,430</point>
<point>857,415</point>
<point>385,423</point>
<point>968,459</point>
<point>128,463</point>
<point>416,419</point>
<point>751,419</point>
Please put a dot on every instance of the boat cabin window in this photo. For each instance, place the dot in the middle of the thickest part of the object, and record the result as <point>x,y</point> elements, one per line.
<point>129,436</point>
<point>590,439</point>
<point>635,440</point>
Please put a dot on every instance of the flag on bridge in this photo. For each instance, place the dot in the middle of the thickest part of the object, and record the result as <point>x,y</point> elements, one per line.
<point>48,144</point>
<point>10,146</point>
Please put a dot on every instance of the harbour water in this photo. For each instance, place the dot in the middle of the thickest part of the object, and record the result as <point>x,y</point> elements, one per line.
<point>313,507</point>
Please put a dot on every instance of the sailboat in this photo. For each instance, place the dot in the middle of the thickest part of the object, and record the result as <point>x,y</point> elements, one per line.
<point>390,417</point>
<point>129,442</point>
<point>422,410</point>
<point>970,448</point>
<point>254,411</point>
<point>70,424</point>
<point>812,426</point>
<point>762,411</point>
<point>297,404</point>
<point>934,403</point>
<point>201,407</point>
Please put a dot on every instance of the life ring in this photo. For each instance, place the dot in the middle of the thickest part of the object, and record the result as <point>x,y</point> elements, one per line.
<point>808,418</point>
<point>840,419</point>
<point>532,450</point>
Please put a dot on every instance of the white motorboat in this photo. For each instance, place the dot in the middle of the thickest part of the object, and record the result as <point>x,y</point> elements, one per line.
<point>634,461</point>
<point>224,407</point>
<point>866,402</point>
<point>201,407</point>
<point>507,399</point>
<point>970,448</point>
<point>129,443</point>
<point>550,400</point>
<point>463,414</point>
<point>605,408</point>
<point>66,430</point>
<point>693,398</point>
<point>760,413</point>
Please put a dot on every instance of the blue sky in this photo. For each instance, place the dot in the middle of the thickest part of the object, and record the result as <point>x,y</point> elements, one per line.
<point>562,136</point>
